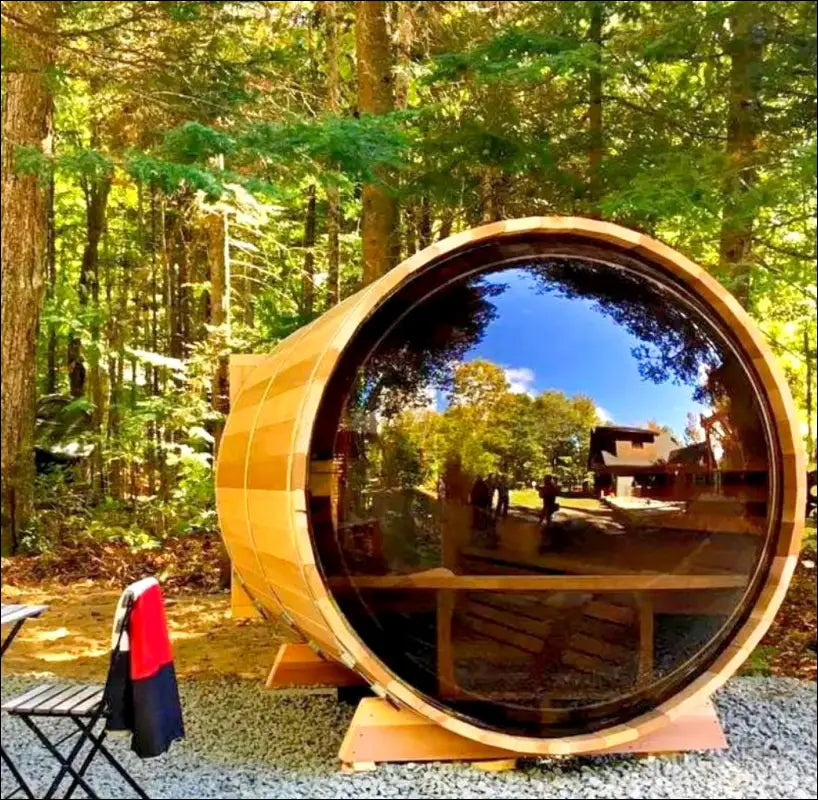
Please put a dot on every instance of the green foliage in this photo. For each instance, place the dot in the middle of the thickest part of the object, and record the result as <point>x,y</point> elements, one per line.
<point>176,114</point>
<point>171,176</point>
<point>30,160</point>
<point>487,429</point>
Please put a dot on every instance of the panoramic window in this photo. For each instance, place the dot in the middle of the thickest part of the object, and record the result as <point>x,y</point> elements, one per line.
<point>541,488</point>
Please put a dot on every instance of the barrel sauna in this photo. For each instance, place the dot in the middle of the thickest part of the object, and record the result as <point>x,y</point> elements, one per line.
<point>427,484</point>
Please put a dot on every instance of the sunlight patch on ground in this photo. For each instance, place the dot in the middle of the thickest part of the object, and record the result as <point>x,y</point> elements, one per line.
<point>72,639</point>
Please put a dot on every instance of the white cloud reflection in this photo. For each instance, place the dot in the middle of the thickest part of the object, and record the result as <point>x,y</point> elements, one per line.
<point>520,380</point>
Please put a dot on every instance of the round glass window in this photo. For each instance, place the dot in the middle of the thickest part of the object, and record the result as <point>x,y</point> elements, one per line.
<point>542,486</point>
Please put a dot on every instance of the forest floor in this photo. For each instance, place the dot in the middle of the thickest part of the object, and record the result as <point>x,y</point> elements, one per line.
<point>72,638</point>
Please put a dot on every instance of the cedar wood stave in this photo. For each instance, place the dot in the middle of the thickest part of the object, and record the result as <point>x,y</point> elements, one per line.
<point>263,473</point>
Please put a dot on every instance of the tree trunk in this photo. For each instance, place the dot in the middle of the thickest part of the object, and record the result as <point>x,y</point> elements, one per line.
<point>182,250</point>
<point>809,358</point>
<point>333,246</point>
<point>424,223</point>
<point>220,382</point>
<point>96,202</point>
<point>494,101</point>
<point>375,96</point>
<point>333,193</point>
<point>176,290</point>
<point>446,223</point>
<point>119,321</point>
<point>152,372</point>
<point>595,140</point>
<point>27,122</point>
<point>404,35</point>
<point>51,287</point>
<point>308,277</point>
<point>409,235</point>
<point>220,385</point>
<point>746,49</point>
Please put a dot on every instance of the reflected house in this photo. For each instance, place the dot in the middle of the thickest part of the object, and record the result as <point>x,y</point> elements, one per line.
<point>645,462</point>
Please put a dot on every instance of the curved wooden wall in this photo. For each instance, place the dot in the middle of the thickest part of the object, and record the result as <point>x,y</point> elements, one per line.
<point>263,471</point>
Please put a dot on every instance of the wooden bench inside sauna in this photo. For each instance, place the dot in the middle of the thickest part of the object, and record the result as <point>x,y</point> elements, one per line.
<point>426,484</point>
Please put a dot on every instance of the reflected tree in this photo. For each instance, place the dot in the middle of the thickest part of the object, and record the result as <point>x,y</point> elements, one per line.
<point>418,354</point>
<point>674,345</point>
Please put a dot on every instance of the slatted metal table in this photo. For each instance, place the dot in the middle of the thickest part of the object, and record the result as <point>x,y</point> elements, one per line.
<point>15,615</point>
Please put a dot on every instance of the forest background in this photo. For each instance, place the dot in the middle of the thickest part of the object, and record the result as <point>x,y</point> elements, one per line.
<point>186,180</point>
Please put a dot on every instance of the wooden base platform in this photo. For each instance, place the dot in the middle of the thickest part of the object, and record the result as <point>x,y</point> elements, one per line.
<point>300,665</point>
<point>380,733</point>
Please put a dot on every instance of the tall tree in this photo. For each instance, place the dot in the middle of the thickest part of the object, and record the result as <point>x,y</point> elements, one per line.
<point>330,8</point>
<point>308,276</point>
<point>216,257</point>
<point>376,96</point>
<point>595,109</point>
<point>745,49</point>
<point>96,187</point>
<point>27,123</point>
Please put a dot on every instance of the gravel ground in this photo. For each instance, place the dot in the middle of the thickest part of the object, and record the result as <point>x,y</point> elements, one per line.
<point>244,741</point>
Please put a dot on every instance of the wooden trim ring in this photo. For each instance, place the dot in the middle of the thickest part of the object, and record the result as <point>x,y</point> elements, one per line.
<point>263,472</point>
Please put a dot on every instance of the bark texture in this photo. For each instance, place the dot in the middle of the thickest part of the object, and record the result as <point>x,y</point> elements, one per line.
<point>333,194</point>
<point>595,140</point>
<point>376,96</point>
<point>27,121</point>
<point>746,50</point>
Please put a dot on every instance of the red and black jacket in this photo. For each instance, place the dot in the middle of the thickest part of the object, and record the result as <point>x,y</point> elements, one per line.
<point>141,693</point>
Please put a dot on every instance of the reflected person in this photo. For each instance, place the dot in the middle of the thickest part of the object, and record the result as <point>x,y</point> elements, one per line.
<point>548,492</point>
<point>480,499</point>
<point>502,497</point>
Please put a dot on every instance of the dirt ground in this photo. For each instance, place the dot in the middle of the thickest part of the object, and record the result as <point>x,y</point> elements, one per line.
<point>73,638</point>
<point>81,586</point>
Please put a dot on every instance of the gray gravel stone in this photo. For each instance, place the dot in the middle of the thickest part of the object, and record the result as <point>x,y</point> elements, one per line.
<point>244,741</point>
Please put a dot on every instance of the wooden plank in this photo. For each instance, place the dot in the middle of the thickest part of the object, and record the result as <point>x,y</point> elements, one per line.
<point>496,765</point>
<point>241,604</point>
<point>15,702</point>
<point>695,729</point>
<point>447,685</point>
<point>27,705</point>
<point>603,629</point>
<point>86,693</point>
<point>622,615</point>
<point>609,651</point>
<point>540,583</point>
<point>300,665</point>
<point>591,664</point>
<point>67,695</point>
<point>379,733</point>
<point>552,561</point>
<point>239,367</point>
<point>87,705</point>
<point>510,619</point>
<point>531,644</point>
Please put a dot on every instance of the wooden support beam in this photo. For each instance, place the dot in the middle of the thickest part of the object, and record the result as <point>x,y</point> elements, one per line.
<point>540,583</point>
<point>379,732</point>
<point>241,605</point>
<point>300,665</point>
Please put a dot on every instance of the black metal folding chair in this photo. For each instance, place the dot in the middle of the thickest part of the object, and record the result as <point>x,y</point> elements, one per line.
<point>85,707</point>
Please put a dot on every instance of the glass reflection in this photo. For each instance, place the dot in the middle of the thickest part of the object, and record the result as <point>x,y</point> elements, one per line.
<point>545,493</point>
